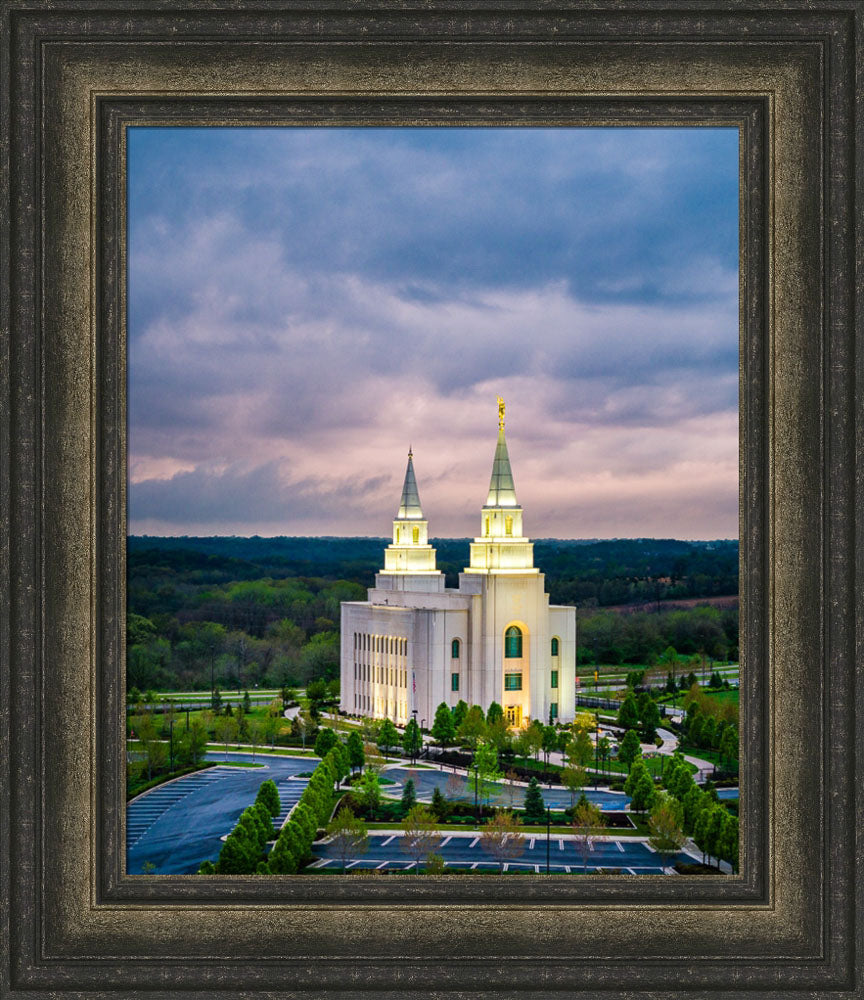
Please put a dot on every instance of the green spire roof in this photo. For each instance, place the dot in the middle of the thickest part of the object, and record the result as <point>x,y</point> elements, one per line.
<point>409,507</point>
<point>502,492</point>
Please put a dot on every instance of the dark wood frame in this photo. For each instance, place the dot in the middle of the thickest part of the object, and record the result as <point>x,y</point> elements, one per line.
<point>72,922</point>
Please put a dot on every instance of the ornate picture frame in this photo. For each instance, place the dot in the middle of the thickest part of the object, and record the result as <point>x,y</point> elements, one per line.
<point>73,922</point>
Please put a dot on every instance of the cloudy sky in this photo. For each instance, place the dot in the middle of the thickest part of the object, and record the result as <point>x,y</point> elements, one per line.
<point>306,303</point>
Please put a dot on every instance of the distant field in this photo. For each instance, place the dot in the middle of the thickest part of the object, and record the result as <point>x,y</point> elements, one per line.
<point>722,601</point>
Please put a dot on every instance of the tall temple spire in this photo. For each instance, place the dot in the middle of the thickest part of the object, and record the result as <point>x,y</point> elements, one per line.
<point>502,492</point>
<point>501,546</point>
<point>409,506</point>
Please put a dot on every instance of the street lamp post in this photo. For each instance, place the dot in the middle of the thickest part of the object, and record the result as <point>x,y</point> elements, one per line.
<point>414,739</point>
<point>476,815</point>
<point>187,718</point>
<point>548,830</point>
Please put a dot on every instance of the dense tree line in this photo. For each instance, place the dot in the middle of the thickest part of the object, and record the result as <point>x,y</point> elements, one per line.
<point>185,631</point>
<point>234,613</point>
<point>701,634</point>
<point>581,573</point>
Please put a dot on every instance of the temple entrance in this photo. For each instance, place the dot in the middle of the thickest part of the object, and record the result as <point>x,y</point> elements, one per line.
<point>513,715</point>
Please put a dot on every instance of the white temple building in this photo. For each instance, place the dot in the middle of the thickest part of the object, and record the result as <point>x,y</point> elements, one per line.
<point>415,643</point>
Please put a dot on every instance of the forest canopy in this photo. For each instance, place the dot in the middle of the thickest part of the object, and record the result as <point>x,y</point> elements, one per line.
<point>241,612</point>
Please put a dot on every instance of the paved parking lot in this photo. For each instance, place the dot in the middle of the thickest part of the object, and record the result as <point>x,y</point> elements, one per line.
<point>465,851</point>
<point>177,826</point>
<point>425,782</point>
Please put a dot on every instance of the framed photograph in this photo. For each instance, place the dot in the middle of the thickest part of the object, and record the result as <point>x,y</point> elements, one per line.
<point>75,919</point>
<point>276,376</point>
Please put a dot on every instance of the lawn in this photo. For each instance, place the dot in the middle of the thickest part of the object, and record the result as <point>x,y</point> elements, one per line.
<point>727,694</point>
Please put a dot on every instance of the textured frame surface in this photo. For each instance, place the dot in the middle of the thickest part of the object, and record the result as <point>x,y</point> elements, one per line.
<point>72,922</point>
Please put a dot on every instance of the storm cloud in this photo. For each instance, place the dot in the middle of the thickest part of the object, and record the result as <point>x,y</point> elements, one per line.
<point>306,303</point>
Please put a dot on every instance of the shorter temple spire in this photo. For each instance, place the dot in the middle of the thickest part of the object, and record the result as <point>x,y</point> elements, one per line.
<point>409,506</point>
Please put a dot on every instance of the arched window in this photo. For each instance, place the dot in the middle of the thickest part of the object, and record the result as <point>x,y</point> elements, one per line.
<point>454,649</point>
<point>513,643</point>
<point>415,534</point>
<point>508,525</point>
<point>555,646</point>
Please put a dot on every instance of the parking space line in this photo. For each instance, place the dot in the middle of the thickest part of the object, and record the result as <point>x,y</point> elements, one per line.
<point>620,846</point>
<point>387,841</point>
<point>474,842</point>
<point>382,865</point>
<point>445,841</point>
<point>531,843</point>
<point>561,844</point>
<point>474,865</point>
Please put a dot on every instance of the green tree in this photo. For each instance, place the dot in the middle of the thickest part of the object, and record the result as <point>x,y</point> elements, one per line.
<point>494,714</point>
<point>649,717</point>
<point>729,745</point>
<point>289,851</point>
<point>239,854</point>
<point>534,734</point>
<point>629,749</point>
<point>325,742</point>
<point>388,736</point>
<point>157,756</point>
<point>460,710</point>
<point>486,763</point>
<point>604,748</point>
<point>580,749</point>
<point>419,835</point>
<point>574,778</point>
<point>640,787</point>
<point>247,702</point>
<point>534,807</point>
<point>412,739</point>
<point>196,741</point>
<point>255,734</point>
<point>443,730</point>
<point>549,742</point>
<point>409,796</point>
<point>473,727</point>
<point>501,837</point>
<point>356,755</point>
<point>348,835</point>
<point>587,826</point>
<point>628,713</point>
<point>694,802</point>
<point>665,827</point>
<point>440,806</point>
<point>226,731</point>
<point>681,782</point>
<point>369,790</point>
<point>268,793</point>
